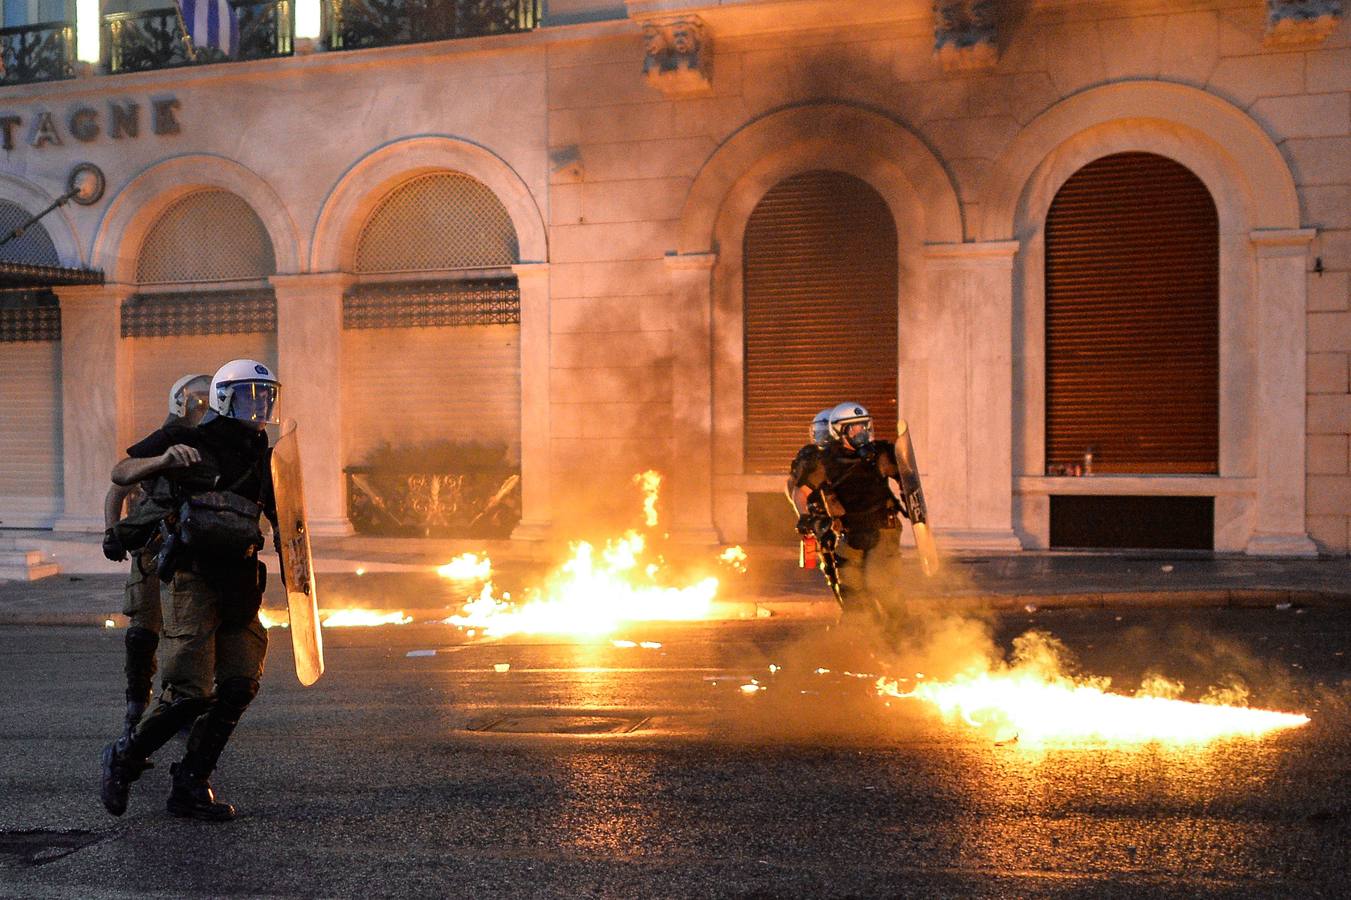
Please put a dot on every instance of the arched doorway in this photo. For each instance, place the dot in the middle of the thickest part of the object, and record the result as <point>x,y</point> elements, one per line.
<point>203,297</point>
<point>1132,347</point>
<point>30,381</point>
<point>432,360</point>
<point>820,319</point>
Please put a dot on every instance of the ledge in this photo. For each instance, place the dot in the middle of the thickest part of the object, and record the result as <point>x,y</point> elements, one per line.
<point>1148,485</point>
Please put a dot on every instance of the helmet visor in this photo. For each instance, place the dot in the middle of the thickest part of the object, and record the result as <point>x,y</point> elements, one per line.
<point>195,403</point>
<point>254,401</point>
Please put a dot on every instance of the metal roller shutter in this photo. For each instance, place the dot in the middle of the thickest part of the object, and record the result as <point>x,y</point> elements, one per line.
<point>30,432</point>
<point>157,362</point>
<point>820,311</point>
<point>410,387</point>
<point>1132,319</point>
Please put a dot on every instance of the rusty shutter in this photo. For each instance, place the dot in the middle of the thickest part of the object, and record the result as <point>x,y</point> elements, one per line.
<point>1132,319</point>
<point>820,311</point>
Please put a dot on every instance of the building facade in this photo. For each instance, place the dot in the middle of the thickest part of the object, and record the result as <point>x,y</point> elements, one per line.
<point>1096,253</point>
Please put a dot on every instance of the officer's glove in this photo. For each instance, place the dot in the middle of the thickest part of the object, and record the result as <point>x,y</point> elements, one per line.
<point>806,524</point>
<point>112,547</point>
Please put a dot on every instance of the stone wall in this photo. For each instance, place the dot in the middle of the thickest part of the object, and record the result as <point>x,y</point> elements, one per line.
<point>621,129</point>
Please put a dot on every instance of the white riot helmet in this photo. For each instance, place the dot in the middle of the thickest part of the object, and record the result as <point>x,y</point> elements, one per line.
<point>189,396</point>
<point>846,415</point>
<point>821,429</point>
<point>246,390</point>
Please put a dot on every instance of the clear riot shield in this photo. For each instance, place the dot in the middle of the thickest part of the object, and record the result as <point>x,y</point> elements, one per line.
<point>914,499</point>
<point>301,594</point>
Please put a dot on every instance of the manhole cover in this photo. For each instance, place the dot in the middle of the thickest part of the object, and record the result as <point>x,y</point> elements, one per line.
<point>564,724</point>
<point>33,848</point>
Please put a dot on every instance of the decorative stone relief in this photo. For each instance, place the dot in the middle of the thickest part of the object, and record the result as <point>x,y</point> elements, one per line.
<point>1292,23</point>
<point>965,33</point>
<point>679,60</point>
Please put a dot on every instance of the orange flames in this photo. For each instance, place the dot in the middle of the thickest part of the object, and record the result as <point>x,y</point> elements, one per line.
<point>1032,700</point>
<point>597,589</point>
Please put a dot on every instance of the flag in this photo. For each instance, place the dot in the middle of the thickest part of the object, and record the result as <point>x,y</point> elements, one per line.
<point>211,23</point>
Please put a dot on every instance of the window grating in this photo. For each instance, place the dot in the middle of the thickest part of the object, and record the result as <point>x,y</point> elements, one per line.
<point>206,236</point>
<point>200,312</point>
<point>444,220</point>
<point>430,303</point>
<point>34,248</point>
<point>29,316</point>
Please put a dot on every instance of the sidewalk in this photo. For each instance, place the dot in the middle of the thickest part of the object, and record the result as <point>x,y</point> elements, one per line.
<point>395,574</point>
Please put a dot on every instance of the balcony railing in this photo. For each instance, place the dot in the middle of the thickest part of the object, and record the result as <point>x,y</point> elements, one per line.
<point>154,39</point>
<point>44,52</point>
<point>353,24</point>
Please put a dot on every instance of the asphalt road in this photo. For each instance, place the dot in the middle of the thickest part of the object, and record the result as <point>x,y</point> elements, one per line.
<point>595,770</point>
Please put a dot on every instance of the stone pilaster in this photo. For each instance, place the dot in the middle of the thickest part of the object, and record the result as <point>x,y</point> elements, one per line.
<point>965,34</point>
<point>95,399</point>
<point>678,58</point>
<point>691,491</point>
<point>1301,23</point>
<point>536,433</point>
<point>1281,283</point>
<point>969,444</point>
<point>309,363</point>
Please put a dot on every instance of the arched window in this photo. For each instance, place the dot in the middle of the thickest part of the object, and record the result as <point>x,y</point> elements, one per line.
<point>204,298</point>
<point>206,236</point>
<point>443,220</point>
<point>1132,319</point>
<point>820,289</point>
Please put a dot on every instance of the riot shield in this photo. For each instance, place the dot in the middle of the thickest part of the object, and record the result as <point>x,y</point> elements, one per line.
<point>914,499</point>
<point>301,594</point>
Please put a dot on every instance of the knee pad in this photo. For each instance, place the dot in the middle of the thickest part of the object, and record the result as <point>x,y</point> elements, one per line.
<point>141,640</point>
<point>236,693</point>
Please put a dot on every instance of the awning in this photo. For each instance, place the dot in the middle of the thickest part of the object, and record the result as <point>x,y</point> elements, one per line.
<point>20,276</point>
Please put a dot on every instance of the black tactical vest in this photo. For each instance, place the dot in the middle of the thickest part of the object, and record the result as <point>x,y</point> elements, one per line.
<point>860,486</point>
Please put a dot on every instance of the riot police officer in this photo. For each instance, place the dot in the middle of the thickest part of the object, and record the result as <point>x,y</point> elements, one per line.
<point>141,602</point>
<point>853,475</point>
<point>212,636</point>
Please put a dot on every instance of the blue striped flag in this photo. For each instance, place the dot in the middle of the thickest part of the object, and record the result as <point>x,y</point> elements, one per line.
<point>211,23</point>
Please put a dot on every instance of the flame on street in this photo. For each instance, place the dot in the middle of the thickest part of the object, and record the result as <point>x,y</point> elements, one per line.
<point>467,567</point>
<point>650,482</point>
<point>597,589</point>
<point>1033,700</point>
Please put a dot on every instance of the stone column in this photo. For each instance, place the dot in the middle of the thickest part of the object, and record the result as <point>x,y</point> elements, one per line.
<point>1281,285</point>
<point>536,434</point>
<point>691,492</point>
<point>969,447</point>
<point>309,364</point>
<point>95,399</point>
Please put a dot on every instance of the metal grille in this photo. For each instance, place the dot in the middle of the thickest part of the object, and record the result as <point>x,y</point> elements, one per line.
<point>206,236</point>
<point>29,316</point>
<point>444,220</point>
<point>34,248</point>
<point>820,311</point>
<point>1132,319</point>
<point>427,303</point>
<point>200,312</point>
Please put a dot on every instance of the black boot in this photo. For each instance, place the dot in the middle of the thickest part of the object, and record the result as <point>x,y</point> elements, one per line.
<point>121,766</point>
<point>193,798</point>
<point>192,795</point>
<point>127,757</point>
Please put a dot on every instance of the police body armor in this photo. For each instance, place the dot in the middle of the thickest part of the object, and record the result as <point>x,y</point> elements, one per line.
<point>862,490</point>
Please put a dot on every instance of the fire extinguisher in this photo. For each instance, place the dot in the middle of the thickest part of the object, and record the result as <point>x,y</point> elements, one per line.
<point>806,557</point>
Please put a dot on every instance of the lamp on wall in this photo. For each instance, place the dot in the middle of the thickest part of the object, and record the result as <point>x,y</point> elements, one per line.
<point>87,27</point>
